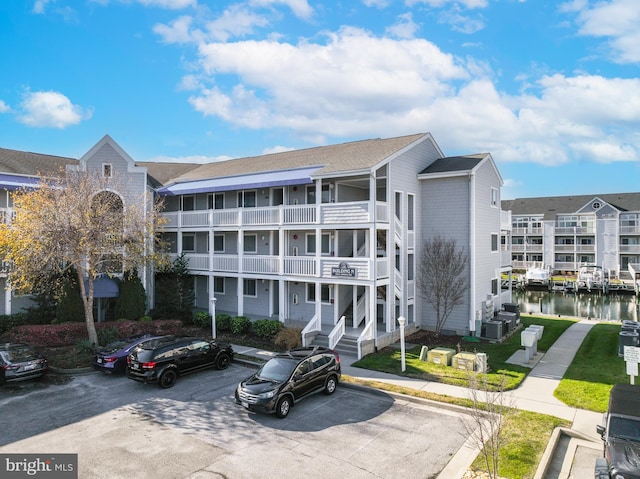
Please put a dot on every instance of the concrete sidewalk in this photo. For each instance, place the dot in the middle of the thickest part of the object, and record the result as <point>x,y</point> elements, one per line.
<point>534,394</point>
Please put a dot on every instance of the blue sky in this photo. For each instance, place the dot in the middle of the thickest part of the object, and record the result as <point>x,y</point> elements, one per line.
<point>550,88</point>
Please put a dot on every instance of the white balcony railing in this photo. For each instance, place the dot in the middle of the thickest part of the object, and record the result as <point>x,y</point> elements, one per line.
<point>326,213</point>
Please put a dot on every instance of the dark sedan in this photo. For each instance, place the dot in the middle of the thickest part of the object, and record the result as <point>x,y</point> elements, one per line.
<point>19,362</point>
<point>112,358</point>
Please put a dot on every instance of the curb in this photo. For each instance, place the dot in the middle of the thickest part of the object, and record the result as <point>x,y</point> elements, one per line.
<point>74,371</point>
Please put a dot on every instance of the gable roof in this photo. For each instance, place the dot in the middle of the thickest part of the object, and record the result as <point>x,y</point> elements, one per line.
<point>551,206</point>
<point>350,157</point>
<point>33,164</point>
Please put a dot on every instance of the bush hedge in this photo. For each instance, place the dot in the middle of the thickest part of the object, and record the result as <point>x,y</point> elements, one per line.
<point>240,325</point>
<point>267,328</point>
<point>223,322</point>
<point>67,334</point>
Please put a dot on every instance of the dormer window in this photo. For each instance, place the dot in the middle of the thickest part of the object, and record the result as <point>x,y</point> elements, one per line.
<point>107,170</point>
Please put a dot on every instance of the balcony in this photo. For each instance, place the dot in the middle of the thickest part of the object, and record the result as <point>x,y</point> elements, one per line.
<point>530,230</point>
<point>329,268</point>
<point>630,248</point>
<point>273,216</point>
<point>635,229</point>
<point>574,230</point>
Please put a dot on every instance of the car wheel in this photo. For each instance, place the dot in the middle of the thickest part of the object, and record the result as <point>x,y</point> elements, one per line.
<point>330,385</point>
<point>283,407</point>
<point>120,367</point>
<point>168,379</point>
<point>222,361</point>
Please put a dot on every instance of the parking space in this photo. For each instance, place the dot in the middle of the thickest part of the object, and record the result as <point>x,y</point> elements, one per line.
<point>120,428</point>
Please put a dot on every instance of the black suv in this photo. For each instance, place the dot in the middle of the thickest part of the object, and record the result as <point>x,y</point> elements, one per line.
<point>165,358</point>
<point>620,432</point>
<point>289,377</point>
<point>19,362</point>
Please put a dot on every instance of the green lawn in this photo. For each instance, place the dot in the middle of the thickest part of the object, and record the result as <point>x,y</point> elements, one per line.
<point>501,374</point>
<point>594,370</point>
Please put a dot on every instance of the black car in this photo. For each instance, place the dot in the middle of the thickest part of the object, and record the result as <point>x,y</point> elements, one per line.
<point>165,358</point>
<point>112,358</point>
<point>20,361</point>
<point>289,377</point>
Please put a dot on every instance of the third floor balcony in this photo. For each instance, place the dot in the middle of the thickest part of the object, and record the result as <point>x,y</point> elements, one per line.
<point>357,212</point>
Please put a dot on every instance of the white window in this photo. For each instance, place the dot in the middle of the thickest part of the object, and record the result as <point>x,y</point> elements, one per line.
<point>325,293</point>
<point>218,285</point>
<point>246,199</point>
<point>107,170</point>
<point>188,242</point>
<point>250,243</point>
<point>250,287</point>
<point>494,242</point>
<point>218,243</point>
<point>494,197</point>
<point>311,243</point>
<point>215,201</point>
<point>188,203</point>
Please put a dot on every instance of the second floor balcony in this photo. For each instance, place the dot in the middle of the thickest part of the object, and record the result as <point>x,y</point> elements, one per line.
<point>357,212</point>
<point>303,266</point>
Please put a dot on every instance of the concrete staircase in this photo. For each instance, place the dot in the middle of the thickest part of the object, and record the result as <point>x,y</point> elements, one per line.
<point>346,346</point>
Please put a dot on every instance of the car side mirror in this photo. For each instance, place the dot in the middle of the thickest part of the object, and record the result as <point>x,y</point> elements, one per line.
<point>600,430</point>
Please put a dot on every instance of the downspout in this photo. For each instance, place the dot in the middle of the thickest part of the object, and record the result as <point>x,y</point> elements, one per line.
<point>472,253</point>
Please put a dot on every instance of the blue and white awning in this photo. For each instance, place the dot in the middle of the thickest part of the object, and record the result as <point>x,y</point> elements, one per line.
<point>267,179</point>
<point>15,182</point>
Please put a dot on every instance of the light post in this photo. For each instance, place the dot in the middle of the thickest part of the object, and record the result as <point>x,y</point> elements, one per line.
<point>402,320</point>
<point>213,317</point>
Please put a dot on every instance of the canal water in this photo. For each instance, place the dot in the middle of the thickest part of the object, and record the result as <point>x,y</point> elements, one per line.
<point>603,307</point>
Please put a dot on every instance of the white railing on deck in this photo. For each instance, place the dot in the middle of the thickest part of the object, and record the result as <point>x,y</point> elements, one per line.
<point>225,218</point>
<point>299,214</point>
<point>225,262</point>
<point>260,264</point>
<point>300,266</point>
<point>313,325</point>
<point>365,335</point>
<point>195,218</point>
<point>198,262</point>
<point>336,333</point>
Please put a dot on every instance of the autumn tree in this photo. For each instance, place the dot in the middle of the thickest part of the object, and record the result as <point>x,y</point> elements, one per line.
<point>77,222</point>
<point>440,277</point>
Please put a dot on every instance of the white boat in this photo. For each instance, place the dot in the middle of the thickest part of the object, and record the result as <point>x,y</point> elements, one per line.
<point>590,277</point>
<point>537,277</point>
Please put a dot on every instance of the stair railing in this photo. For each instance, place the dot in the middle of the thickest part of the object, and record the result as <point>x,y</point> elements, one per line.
<point>337,332</point>
<point>312,326</point>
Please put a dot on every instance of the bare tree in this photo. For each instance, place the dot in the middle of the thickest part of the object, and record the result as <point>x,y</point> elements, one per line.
<point>440,277</point>
<point>77,222</point>
<point>484,424</point>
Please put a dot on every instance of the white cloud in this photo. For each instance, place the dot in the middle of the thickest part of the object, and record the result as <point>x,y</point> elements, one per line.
<point>236,21</point>
<point>179,31</point>
<point>40,5</point>
<point>376,3</point>
<point>617,20</point>
<point>404,27</point>
<point>4,108</point>
<point>169,4</point>
<point>442,3</point>
<point>300,8</point>
<point>51,109</point>
<point>350,83</point>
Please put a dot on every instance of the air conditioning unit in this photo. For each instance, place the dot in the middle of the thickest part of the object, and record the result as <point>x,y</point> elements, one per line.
<point>493,329</point>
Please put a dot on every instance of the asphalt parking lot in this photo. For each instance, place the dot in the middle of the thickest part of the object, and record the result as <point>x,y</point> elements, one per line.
<point>121,428</point>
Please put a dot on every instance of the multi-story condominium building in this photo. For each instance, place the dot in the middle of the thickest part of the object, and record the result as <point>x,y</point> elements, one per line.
<point>328,238</point>
<point>565,233</point>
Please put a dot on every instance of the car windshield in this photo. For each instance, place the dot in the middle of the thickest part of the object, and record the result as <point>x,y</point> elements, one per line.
<point>15,355</point>
<point>277,369</point>
<point>625,427</point>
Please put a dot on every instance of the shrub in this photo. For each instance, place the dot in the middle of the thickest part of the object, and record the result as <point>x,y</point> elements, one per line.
<point>107,335</point>
<point>146,318</point>
<point>240,324</point>
<point>67,334</point>
<point>223,322</point>
<point>7,322</point>
<point>132,302</point>
<point>202,319</point>
<point>267,328</point>
<point>288,338</point>
<point>85,346</point>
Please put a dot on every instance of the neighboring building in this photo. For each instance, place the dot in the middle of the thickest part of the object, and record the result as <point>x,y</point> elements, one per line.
<point>565,233</point>
<point>311,236</point>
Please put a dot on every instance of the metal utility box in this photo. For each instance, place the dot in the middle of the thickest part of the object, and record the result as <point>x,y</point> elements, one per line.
<point>465,361</point>
<point>508,319</point>
<point>493,329</point>
<point>441,356</point>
